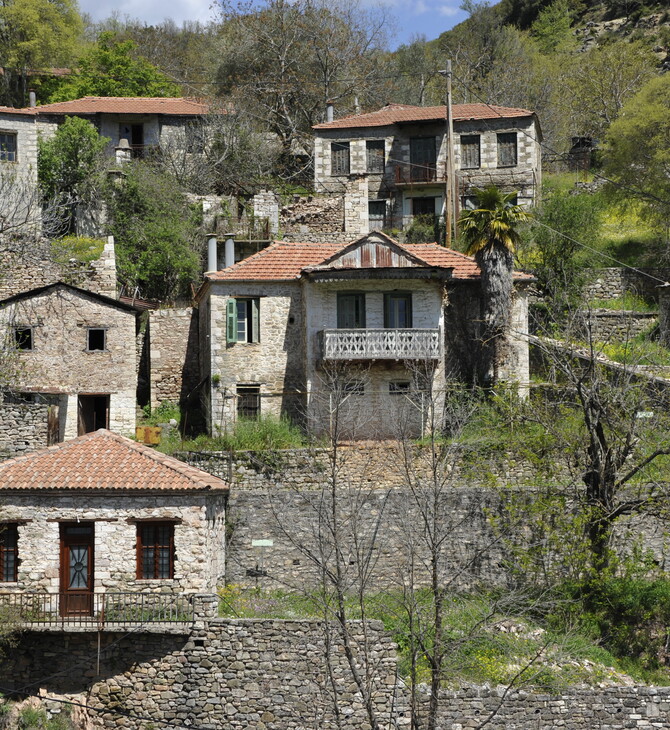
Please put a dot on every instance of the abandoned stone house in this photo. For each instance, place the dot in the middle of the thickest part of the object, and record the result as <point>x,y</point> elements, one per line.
<point>401,151</point>
<point>76,351</point>
<point>103,515</point>
<point>378,322</point>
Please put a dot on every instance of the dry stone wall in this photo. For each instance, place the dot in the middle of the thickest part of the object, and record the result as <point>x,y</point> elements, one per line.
<point>606,325</point>
<point>612,283</point>
<point>23,427</point>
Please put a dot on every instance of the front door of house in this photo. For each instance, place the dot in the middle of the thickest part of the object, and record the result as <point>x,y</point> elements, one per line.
<point>76,568</point>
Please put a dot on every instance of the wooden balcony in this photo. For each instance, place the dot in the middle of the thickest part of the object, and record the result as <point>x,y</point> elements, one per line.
<point>381,344</point>
<point>152,612</point>
<point>418,174</point>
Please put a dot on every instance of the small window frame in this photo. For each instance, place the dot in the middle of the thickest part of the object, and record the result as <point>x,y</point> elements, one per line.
<point>9,152</point>
<point>24,338</point>
<point>508,149</point>
<point>9,552</point>
<point>95,332</point>
<point>248,401</point>
<point>399,387</point>
<point>351,306</point>
<point>340,159</point>
<point>353,387</point>
<point>157,543</point>
<point>390,313</point>
<point>243,311</point>
<point>471,151</point>
<point>375,156</point>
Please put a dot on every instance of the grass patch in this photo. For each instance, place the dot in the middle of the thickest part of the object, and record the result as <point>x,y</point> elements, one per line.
<point>80,248</point>
<point>629,302</point>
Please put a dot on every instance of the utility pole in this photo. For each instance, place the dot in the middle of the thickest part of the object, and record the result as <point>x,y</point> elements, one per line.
<point>450,187</point>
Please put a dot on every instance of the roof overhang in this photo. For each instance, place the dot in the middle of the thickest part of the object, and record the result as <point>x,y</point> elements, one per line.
<point>412,272</point>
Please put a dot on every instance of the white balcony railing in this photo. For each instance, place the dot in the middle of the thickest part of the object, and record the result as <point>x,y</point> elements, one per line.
<point>380,344</point>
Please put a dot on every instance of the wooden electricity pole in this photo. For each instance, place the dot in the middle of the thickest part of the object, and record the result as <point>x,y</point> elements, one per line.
<point>450,187</point>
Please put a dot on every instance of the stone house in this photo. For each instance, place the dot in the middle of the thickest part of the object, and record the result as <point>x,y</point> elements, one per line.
<point>378,323</point>
<point>401,151</point>
<point>103,516</point>
<point>75,350</point>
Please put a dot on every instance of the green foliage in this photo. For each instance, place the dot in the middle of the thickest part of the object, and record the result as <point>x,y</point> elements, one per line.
<point>156,232</point>
<point>552,28</point>
<point>638,149</point>
<point>629,302</point>
<point>112,68</point>
<point>493,223</point>
<point>162,414</point>
<point>266,434</point>
<point>69,166</point>
<point>81,248</point>
<point>32,718</point>
<point>35,34</point>
<point>424,229</point>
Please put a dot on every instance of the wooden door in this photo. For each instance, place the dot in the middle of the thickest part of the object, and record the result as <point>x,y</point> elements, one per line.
<point>93,413</point>
<point>76,568</point>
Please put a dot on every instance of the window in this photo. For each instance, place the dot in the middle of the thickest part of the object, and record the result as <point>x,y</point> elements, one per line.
<point>23,338</point>
<point>96,339</point>
<point>350,310</point>
<point>507,149</point>
<point>155,550</point>
<point>377,214</point>
<point>423,158</point>
<point>243,323</point>
<point>399,387</point>
<point>339,158</point>
<point>9,557</point>
<point>249,401</point>
<point>398,310</point>
<point>470,151</point>
<point>423,206</point>
<point>375,155</point>
<point>353,387</point>
<point>7,146</point>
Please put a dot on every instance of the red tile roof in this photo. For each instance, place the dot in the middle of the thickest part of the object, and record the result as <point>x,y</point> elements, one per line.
<point>178,106</point>
<point>285,261</point>
<point>26,112</point>
<point>399,113</point>
<point>103,461</point>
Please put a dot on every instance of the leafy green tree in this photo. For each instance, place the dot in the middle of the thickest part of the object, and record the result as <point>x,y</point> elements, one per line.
<point>491,236</point>
<point>552,28</point>
<point>69,170</point>
<point>111,68</point>
<point>637,151</point>
<point>156,233</point>
<point>34,36</point>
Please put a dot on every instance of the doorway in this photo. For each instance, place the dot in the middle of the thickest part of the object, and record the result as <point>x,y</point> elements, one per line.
<point>76,568</point>
<point>93,413</point>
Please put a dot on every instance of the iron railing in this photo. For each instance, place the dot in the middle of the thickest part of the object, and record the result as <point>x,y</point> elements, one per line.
<point>96,609</point>
<point>418,173</point>
<point>380,344</point>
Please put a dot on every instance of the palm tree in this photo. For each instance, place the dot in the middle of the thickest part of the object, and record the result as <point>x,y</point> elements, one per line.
<point>490,234</point>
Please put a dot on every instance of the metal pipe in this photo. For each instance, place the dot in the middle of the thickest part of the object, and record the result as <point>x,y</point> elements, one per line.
<point>229,253</point>
<point>212,254</point>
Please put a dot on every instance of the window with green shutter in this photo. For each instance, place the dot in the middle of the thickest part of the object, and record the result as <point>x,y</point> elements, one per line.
<point>243,320</point>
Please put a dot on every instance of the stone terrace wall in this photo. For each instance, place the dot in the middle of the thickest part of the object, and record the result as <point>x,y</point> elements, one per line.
<point>173,338</point>
<point>613,282</point>
<point>23,427</point>
<point>608,325</point>
<point>313,214</point>
<point>580,709</point>
<point>233,674</point>
<point>32,265</point>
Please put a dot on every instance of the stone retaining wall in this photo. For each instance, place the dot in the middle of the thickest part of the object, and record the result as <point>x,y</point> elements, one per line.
<point>23,428</point>
<point>233,674</point>
<point>579,709</point>
<point>613,283</point>
<point>609,325</point>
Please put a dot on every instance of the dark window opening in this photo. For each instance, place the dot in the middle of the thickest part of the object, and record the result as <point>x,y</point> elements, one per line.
<point>243,322</point>
<point>507,154</point>
<point>470,151</point>
<point>96,339</point>
<point>23,338</point>
<point>377,214</point>
<point>353,387</point>
<point>134,133</point>
<point>399,387</point>
<point>423,206</point>
<point>249,402</point>
<point>339,158</point>
<point>155,550</point>
<point>423,159</point>
<point>7,147</point>
<point>375,156</point>
<point>350,310</point>
<point>398,310</point>
<point>468,202</point>
<point>93,412</point>
<point>9,555</point>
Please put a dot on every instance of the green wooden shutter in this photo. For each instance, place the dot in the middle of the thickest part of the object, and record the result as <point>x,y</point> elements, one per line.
<point>231,321</point>
<point>255,320</point>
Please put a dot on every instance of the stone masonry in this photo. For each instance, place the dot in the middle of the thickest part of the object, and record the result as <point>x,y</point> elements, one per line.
<point>198,539</point>
<point>23,427</point>
<point>173,354</point>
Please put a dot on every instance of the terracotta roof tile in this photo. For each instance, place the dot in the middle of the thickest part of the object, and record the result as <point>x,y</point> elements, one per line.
<point>25,112</point>
<point>178,106</point>
<point>399,113</point>
<point>103,461</point>
<point>285,261</point>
